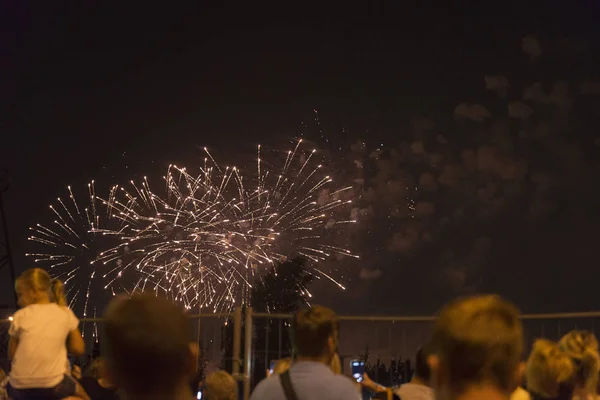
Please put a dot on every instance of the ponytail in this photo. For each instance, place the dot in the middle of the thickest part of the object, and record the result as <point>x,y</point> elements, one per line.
<point>58,292</point>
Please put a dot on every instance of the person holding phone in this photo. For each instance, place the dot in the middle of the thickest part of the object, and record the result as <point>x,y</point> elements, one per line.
<point>417,389</point>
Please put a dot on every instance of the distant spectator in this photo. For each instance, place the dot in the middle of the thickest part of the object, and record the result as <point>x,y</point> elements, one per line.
<point>148,348</point>
<point>419,386</point>
<point>98,383</point>
<point>582,348</point>
<point>38,333</point>
<point>315,336</point>
<point>476,350</point>
<point>550,373</point>
<point>220,386</point>
<point>93,369</point>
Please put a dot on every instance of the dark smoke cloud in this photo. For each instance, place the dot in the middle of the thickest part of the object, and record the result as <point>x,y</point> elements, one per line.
<point>455,194</point>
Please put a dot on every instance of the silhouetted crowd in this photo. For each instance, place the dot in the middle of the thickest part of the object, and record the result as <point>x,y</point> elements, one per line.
<point>398,372</point>
<point>475,352</point>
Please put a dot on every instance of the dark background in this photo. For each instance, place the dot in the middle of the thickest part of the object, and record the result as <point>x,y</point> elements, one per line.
<point>110,91</point>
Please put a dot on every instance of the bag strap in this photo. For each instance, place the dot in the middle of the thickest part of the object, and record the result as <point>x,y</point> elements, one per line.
<point>288,388</point>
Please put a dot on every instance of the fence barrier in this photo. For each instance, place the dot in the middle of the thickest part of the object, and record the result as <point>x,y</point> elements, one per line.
<point>264,337</point>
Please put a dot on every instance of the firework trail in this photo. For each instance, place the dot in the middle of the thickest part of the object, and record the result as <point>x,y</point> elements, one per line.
<point>204,238</point>
<point>70,244</point>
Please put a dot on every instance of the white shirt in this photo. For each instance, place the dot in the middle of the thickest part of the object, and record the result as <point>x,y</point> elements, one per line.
<point>42,331</point>
<point>310,380</point>
<point>520,394</point>
<point>414,391</point>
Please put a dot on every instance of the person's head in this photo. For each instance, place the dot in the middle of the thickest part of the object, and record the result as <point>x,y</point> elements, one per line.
<point>98,369</point>
<point>282,365</point>
<point>549,372</point>
<point>422,370</point>
<point>476,342</point>
<point>582,348</point>
<point>220,386</point>
<point>148,346</point>
<point>35,285</point>
<point>315,333</point>
<point>93,370</point>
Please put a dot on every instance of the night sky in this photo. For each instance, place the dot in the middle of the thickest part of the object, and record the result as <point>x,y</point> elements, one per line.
<point>469,177</point>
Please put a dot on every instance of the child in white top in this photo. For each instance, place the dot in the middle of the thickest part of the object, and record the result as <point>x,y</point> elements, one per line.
<point>38,333</point>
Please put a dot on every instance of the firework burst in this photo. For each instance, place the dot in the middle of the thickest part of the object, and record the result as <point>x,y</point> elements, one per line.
<point>204,237</point>
<point>69,246</point>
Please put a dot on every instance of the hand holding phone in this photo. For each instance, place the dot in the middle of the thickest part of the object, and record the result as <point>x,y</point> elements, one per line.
<point>358,369</point>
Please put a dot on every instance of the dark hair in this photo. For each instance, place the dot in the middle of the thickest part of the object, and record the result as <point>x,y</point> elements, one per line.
<point>147,344</point>
<point>422,370</point>
<point>312,328</point>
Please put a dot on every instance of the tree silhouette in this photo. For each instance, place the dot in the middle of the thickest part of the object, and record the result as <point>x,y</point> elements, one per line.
<point>281,290</point>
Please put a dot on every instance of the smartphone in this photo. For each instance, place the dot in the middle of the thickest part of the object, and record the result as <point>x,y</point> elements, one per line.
<point>358,370</point>
<point>199,394</point>
<point>272,366</point>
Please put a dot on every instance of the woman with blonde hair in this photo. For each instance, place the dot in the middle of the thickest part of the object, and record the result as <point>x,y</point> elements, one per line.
<point>550,373</point>
<point>38,333</point>
<point>582,348</point>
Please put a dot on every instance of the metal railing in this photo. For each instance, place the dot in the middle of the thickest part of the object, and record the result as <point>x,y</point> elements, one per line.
<point>264,336</point>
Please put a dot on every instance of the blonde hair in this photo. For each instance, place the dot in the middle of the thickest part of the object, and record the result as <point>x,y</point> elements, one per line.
<point>40,281</point>
<point>582,348</point>
<point>282,365</point>
<point>547,368</point>
<point>335,364</point>
<point>479,339</point>
<point>220,386</point>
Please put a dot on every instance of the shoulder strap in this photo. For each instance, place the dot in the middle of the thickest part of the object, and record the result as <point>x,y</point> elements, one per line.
<point>286,383</point>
